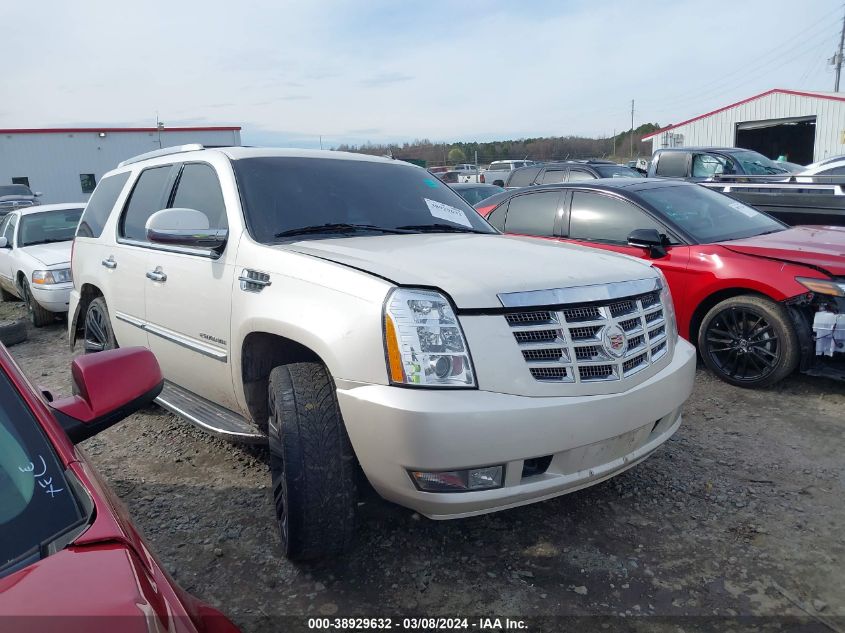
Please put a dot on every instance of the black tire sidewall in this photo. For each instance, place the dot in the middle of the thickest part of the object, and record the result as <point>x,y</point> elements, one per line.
<point>777,316</point>
<point>317,470</point>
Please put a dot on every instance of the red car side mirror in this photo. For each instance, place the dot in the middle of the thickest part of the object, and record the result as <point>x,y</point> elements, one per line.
<point>110,386</point>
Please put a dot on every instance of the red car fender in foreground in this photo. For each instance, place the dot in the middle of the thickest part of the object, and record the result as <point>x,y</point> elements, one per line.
<point>106,579</point>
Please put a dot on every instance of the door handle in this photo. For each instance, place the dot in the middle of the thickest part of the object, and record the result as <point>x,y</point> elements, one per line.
<point>109,263</point>
<point>157,275</point>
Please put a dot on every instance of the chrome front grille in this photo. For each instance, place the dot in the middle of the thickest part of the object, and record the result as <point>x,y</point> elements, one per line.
<point>581,343</point>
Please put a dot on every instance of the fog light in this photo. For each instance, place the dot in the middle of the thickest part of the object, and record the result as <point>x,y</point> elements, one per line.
<point>459,480</point>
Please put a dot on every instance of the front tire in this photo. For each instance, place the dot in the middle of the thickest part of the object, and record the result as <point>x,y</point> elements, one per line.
<point>312,463</point>
<point>98,333</point>
<point>749,341</point>
<point>39,316</point>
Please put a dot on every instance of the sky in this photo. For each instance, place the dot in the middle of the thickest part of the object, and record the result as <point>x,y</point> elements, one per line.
<point>353,71</point>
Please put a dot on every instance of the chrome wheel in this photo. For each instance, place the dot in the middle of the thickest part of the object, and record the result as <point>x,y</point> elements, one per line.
<point>97,330</point>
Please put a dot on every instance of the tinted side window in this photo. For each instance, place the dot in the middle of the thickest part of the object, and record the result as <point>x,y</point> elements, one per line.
<point>497,218</point>
<point>199,189</point>
<point>833,171</point>
<point>522,177</point>
<point>579,174</point>
<point>100,205</point>
<point>147,197</point>
<point>672,165</point>
<point>554,176</point>
<point>599,218</point>
<point>533,214</point>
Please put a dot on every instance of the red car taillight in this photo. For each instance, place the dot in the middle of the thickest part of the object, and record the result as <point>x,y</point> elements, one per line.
<point>481,178</point>
<point>485,211</point>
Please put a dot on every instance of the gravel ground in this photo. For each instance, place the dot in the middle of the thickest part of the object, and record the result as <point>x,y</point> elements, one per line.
<point>739,514</point>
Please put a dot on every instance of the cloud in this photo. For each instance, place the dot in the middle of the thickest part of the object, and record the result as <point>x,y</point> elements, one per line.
<point>388,71</point>
<point>383,79</point>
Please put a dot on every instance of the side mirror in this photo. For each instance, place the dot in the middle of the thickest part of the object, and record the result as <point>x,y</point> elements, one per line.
<point>38,194</point>
<point>184,227</point>
<point>4,243</point>
<point>110,386</point>
<point>650,239</point>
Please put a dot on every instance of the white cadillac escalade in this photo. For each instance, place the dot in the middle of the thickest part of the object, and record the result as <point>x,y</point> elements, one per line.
<point>358,314</point>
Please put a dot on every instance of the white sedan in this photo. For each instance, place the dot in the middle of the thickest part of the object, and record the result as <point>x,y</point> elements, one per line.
<point>35,248</point>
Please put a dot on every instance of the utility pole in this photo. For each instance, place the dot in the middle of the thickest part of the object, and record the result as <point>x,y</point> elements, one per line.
<point>159,128</point>
<point>838,57</point>
<point>632,129</point>
<point>321,141</point>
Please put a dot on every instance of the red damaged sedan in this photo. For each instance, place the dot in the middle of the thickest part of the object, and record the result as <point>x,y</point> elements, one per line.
<point>760,299</point>
<point>70,559</point>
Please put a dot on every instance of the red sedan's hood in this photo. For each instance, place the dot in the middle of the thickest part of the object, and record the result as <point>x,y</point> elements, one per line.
<point>91,589</point>
<point>817,246</point>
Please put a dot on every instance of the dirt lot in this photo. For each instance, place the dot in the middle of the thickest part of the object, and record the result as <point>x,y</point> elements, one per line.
<point>739,514</point>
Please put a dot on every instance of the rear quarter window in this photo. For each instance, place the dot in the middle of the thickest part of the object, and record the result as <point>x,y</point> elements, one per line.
<point>100,205</point>
<point>672,165</point>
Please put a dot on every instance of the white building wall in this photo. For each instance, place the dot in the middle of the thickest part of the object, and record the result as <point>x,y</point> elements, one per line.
<point>719,129</point>
<point>53,161</point>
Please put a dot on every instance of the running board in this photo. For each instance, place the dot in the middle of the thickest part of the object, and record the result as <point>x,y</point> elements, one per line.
<point>208,416</point>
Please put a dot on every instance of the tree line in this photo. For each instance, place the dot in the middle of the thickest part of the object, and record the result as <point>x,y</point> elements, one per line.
<point>548,148</point>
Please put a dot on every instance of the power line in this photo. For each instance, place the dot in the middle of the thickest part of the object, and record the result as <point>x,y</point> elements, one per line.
<point>730,87</point>
<point>765,55</point>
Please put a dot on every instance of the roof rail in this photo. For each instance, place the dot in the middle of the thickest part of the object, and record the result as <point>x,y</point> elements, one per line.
<point>166,151</point>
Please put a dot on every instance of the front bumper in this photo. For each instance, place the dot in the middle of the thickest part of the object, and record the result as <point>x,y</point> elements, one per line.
<point>589,438</point>
<point>54,298</point>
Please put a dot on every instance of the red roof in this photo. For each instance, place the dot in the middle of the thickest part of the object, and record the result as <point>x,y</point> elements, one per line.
<point>96,130</point>
<point>817,95</point>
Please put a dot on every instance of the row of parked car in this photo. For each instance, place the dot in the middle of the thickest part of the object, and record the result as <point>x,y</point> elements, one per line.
<point>376,330</point>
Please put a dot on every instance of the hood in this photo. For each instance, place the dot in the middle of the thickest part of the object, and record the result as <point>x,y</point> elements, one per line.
<point>50,254</point>
<point>79,584</point>
<point>473,268</point>
<point>816,246</point>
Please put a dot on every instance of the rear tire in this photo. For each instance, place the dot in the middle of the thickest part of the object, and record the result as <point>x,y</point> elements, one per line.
<point>312,463</point>
<point>749,341</point>
<point>98,333</point>
<point>39,316</point>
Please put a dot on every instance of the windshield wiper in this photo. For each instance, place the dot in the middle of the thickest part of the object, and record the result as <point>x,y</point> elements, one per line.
<point>336,228</point>
<point>440,228</point>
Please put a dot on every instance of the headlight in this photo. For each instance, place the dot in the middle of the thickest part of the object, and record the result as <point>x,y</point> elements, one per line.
<point>47,277</point>
<point>668,305</point>
<point>823,286</point>
<point>424,342</point>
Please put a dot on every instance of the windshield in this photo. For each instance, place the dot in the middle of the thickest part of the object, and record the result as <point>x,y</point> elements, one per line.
<point>475,195</point>
<point>48,227</point>
<point>708,216</point>
<point>283,194</point>
<point>756,164</point>
<point>15,190</point>
<point>36,502</point>
<point>616,171</point>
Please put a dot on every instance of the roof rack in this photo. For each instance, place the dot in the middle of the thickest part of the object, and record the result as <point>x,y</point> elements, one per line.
<point>166,151</point>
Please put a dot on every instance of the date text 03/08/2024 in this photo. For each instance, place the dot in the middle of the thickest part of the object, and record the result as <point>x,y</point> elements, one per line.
<point>483,624</point>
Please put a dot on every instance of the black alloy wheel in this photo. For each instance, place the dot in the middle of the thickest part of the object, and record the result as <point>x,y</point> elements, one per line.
<point>749,341</point>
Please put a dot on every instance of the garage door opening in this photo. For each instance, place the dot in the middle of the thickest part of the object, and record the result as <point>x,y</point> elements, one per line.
<point>793,138</point>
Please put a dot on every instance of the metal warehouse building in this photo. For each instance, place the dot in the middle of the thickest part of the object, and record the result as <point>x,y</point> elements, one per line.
<point>65,164</point>
<point>802,126</point>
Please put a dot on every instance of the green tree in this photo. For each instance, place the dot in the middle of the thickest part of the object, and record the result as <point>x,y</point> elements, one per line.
<point>456,155</point>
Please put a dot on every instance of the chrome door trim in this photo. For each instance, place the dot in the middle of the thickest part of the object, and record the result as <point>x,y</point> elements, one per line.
<point>169,335</point>
<point>579,294</point>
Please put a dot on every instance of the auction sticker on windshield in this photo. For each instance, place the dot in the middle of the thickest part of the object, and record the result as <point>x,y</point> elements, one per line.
<point>445,212</point>
<point>743,209</point>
